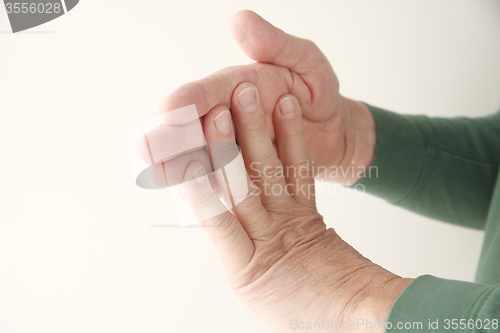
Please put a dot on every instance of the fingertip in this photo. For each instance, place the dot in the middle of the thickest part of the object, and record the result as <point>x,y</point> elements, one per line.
<point>199,194</point>
<point>287,107</point>
<point>288,111</point>
<point>241,20</point>
<point>199,175</point>
<point>218,124</point>
<point>289,127</point>
<point>195,185</point>
<point>220,136</point>
<point>246,97</point>
<point>194,181</point>
<point>292,148</point>
<point>255,36</point>
<point>197,171</point>
<point>263,42</point>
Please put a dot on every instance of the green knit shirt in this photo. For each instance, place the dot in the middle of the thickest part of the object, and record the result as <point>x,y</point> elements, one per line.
<point>446,169</point>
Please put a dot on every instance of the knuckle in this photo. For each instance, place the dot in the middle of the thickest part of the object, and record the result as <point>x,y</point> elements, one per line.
<point>271,162</point>
<point>304,170</point>
<point>229,152</point>
<point>294,131</point>
<point>267,165</point>
<point>223,154</point>
<point>311,48</point>
<point>256,126</point>
<point>225,226</point>
<point>253,191</point>
<point>204,200</point>
<point>299,230</point>
<point>249,200</point>
<point>240,187</point>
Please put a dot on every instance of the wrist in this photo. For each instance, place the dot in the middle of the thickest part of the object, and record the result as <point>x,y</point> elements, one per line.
<point>359,139</point>
<point>378,297</point>
<point>366,292</point>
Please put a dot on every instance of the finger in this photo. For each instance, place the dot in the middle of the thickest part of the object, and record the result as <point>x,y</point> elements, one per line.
<point>226,157</point>
<point>174,170</point>
<point>167,149</point>
<point>292,150</point>
<point>263,42</point>
<point>165,141</point>
<point>217,88</point>
<point>262,163</point>
<point>223,149</point>
<point>230,240</point>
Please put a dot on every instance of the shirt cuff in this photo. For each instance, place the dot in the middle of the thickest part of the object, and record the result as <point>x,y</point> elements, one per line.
<point>400,157</point>
<point>430,304</point>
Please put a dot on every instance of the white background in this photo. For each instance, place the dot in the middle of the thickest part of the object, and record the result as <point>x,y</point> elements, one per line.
<point>77,253</point>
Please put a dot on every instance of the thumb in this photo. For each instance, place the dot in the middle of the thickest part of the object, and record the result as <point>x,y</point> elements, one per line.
<point>263,42</point>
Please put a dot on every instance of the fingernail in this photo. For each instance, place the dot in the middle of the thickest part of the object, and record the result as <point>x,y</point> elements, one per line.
<point>287,107</point>
<point>247,99</point>
<point>199,175</point>
<point>222,122</point>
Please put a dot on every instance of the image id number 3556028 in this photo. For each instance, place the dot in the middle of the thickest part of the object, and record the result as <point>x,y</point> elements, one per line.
<point>485,324</point>
<point>32,7</point>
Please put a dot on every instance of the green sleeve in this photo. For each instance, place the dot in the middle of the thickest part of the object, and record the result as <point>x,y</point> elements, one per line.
<point>430,304</point>
<point>443,168</point>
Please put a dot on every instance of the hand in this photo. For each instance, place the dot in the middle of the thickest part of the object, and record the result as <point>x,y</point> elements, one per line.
<point>279,257</point>
<point>339,132</point>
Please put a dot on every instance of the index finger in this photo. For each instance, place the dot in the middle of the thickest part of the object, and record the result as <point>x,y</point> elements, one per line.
<point>217,89</point>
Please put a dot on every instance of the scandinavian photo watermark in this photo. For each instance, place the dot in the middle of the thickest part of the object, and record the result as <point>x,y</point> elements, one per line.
<point>262,176</point>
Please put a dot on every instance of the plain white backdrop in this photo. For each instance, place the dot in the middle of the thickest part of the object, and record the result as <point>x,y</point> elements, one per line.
<point>77,253</point>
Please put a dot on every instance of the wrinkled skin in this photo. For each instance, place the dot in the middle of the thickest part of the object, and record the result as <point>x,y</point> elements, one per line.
<point>279,257</point>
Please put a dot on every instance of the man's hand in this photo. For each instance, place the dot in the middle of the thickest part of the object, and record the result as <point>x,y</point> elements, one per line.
<point>279,258</point>
<point>339,132</point>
